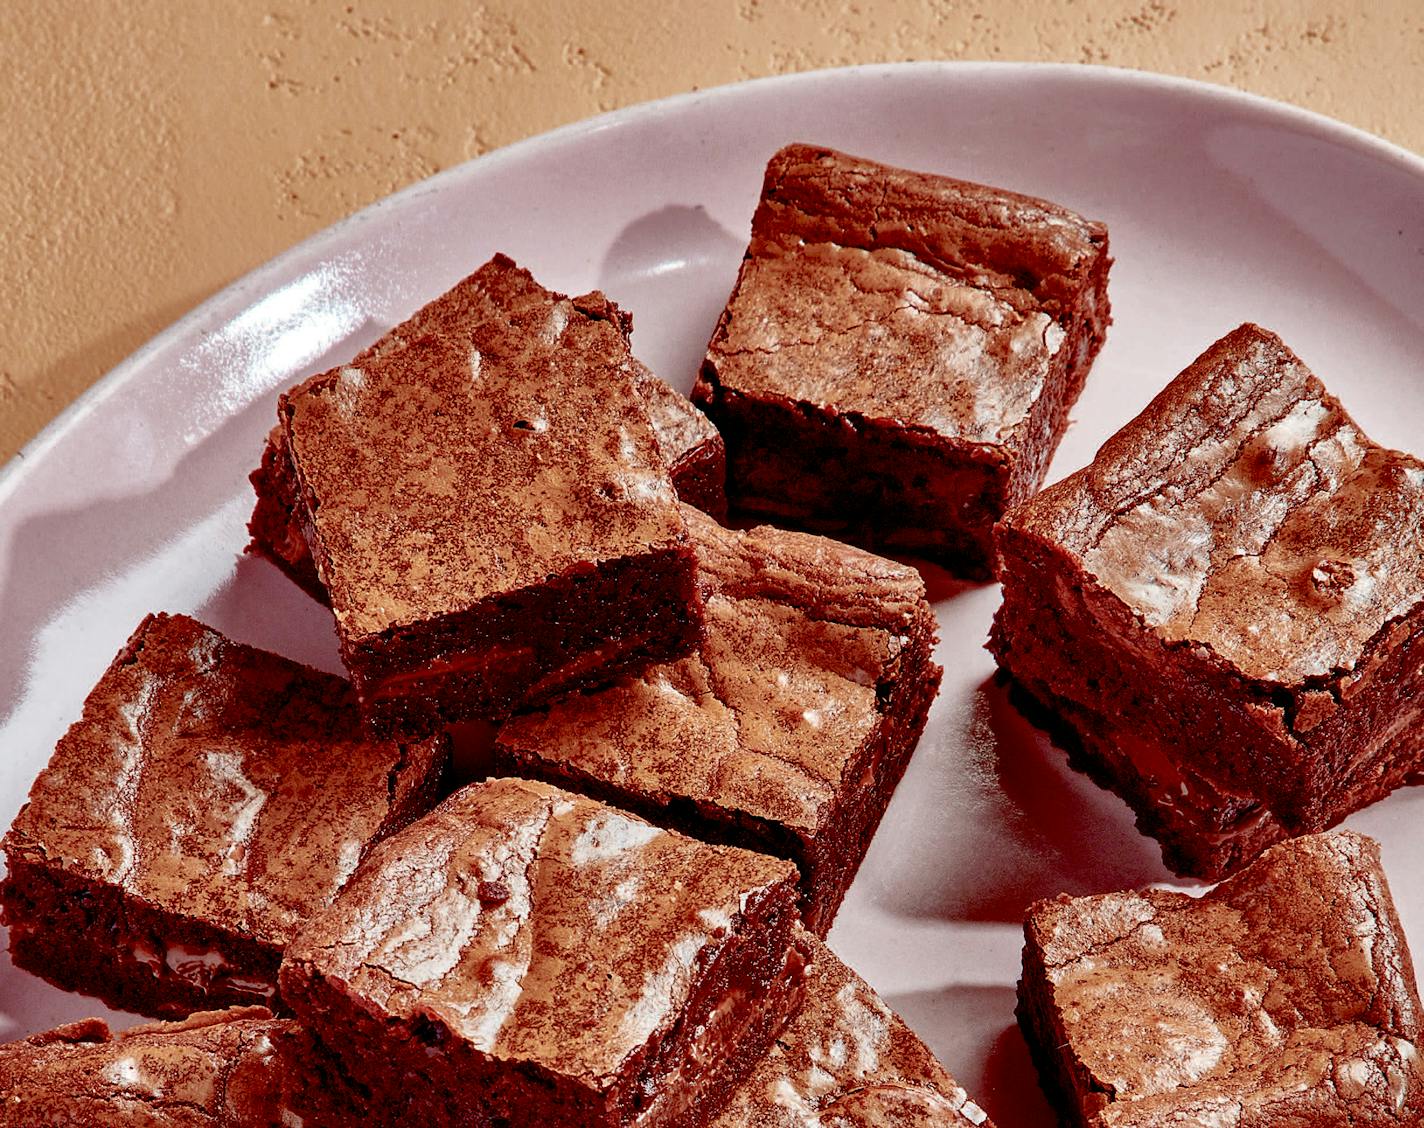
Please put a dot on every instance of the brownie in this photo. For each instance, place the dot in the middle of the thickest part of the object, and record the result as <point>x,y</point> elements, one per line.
<point>695,453</point>
<point>1223,614</point>
<point>489,511</point>
<point>240,1068</point>
<point>211,798</point>
<point>896,363</point>
<point>1283,997</point>
<point>845,1060</point>
<point>538,958</point>
<point>786,732</point>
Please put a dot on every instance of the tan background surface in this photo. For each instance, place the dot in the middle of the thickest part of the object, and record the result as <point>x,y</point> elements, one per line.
<point>158,149</point>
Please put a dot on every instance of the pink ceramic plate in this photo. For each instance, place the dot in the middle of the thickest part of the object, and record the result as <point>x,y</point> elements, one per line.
<point>1222,208</point>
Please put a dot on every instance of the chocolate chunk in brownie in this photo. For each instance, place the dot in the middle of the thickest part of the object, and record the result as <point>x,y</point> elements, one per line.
<point>788,729</point>
<point>489,511</point>
<point>896,363</point>
<point>845,1060</point>
<point>210,799</point>
<point>1223,613</point>
<point>1285,996</point>
<point>548,960</point>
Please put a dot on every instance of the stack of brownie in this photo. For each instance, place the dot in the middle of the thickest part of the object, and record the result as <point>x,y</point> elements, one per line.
<point>698,728</point>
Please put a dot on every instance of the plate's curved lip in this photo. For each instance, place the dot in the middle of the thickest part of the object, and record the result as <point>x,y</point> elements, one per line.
<point>228,301</point>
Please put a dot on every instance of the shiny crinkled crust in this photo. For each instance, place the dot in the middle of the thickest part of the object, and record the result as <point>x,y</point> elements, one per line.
<point>1283,996</point>
<point>535,926</point>
<point>221,1069</point>
<point>802,634</point>
<point>902,296</point>
<point>523,428</point>
<point>1245,513</point>
<point>846,1060</point>
<point>219,782</point>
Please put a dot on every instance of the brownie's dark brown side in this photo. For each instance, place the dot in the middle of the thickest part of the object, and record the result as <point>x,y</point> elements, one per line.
<point>1285,996</point>
<point>514,652</point>
<point>274,526</point>
<point>789,729</point>
<point>210,797</point>
<point>924,453</point>
<point>1224,613</point>
<point>540,959</point>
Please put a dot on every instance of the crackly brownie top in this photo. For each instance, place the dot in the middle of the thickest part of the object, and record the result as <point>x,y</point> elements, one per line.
<point>213,1068</point>
<point>679,426</point>
<point>538,926</point>
<point>902,295</point>
<point>216,781</point>
<point>846,1060</point>
<point>475,461</point>
<point>1244,511</point>
<point>1287,990</point>
<point>802,633</point>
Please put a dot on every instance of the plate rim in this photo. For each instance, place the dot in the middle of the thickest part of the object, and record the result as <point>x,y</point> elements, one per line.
<point>221,307</point>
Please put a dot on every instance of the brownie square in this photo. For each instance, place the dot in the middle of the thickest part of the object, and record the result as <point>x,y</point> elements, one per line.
<point>845,1060</point>
<point>489,511</point>
<point>211,798</point>
<point>542,959</point>
<point>789,728</point>
<point>695,453</point>
<point>240,1068</point>
<point>1222,613</point>
<point>896,363</point>
<point>1285,996</point>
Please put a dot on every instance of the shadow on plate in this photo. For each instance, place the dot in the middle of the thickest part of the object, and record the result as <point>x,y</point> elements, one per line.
<point>61,556</point>
<point>992,819</point>
<point>973,1033</point>
<point>672,269</point>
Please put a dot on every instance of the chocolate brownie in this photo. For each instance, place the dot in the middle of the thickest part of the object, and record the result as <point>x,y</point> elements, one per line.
<point>695,453</point>
<point>210,799</point>
<point>845,1060</point>
<point>1223,613</point>
<point>697,463</point>
<point>240,1068</point>
<point>1285,996</point>
<point>543,959</point>
<point>489,511</point>
<point>789,728</point>
<point>896,363</point>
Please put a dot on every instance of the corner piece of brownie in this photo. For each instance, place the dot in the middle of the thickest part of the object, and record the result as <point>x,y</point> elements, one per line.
<point>489,511</point>
<point>789,728</point>
<point>896,363</point>
<point>211,798</point>
<point>1223,614</point>
<point>538,958</point>
<point>845,1060</point>
<point>1285,996</point>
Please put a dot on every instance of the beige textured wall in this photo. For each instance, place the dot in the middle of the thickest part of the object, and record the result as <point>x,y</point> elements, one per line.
<point>157,149</point>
